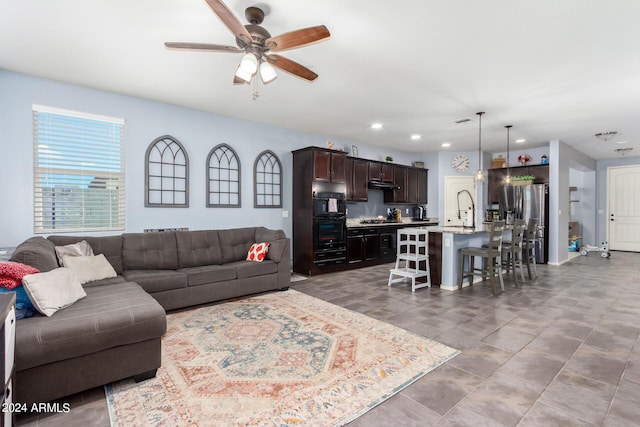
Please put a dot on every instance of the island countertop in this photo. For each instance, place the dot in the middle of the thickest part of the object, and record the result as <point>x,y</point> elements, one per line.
<point>457,229</point>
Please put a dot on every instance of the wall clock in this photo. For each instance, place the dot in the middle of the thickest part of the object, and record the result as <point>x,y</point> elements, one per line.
<point>460,163</point>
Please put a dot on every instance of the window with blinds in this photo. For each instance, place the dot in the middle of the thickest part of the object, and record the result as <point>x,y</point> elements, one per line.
<point>78,171</point>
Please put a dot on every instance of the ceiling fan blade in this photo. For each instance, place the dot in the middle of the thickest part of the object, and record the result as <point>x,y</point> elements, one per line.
<point>229,20</point>
<point>203,46</point>
<point>291,67</point>
<point>297,38</point>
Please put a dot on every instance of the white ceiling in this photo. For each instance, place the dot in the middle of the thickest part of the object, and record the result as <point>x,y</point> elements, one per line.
<point>553,69</point>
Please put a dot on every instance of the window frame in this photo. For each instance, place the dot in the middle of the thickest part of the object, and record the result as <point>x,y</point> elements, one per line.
<point>275,161</point>
<point>83,152</point>
<point>234,155</point>
<point>164,178</point>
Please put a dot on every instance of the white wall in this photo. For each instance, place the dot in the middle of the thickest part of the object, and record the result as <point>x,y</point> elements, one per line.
<point>146,120</point>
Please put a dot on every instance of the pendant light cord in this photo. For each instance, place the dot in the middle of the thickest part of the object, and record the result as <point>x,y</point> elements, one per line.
<point>480,139</point>
<point>508,129</point>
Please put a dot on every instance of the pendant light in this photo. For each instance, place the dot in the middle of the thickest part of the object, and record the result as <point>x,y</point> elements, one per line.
<point>507,179</point>
<point>480,176</point>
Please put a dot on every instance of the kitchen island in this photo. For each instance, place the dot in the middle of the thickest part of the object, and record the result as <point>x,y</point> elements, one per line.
<point>452,240</point>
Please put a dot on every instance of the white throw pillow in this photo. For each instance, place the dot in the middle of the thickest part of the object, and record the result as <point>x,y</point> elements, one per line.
<point>82,248</point>
<point>53,290</point>
<point>89,268</point>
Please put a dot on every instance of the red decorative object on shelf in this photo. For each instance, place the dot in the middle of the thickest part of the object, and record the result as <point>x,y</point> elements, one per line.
<point>523,159</point>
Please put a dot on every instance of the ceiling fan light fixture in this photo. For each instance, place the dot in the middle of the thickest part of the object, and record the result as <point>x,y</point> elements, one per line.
<point>267,72</point>
<point>249,63</point>
<point>243,75</point>
<point>605,136</point>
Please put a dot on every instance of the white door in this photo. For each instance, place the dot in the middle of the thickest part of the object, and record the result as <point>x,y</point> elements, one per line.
<point>623,216</point>
<point>457,200</point>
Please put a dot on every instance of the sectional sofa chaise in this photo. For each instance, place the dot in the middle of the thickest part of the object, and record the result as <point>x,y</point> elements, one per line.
<point>115,331</point>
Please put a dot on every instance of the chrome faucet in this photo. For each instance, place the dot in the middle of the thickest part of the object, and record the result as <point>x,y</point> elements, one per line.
<point>473,208</point>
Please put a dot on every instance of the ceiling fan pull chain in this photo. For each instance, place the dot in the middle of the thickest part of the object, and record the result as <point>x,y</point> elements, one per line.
<point>256,94</point>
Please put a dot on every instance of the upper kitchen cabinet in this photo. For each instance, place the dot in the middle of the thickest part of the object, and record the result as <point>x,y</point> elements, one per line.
<point>329,165</point>
<point>412,183</point>
<point>357,174</point>
<point>496,178</point>
<point>420,177</point>
<point>380,171</point>
<point>398,195</point>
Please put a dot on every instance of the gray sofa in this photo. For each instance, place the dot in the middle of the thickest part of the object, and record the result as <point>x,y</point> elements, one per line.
<point>115,331</point>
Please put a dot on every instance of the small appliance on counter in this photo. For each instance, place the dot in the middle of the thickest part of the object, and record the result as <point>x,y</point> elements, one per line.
<point>420,213</point>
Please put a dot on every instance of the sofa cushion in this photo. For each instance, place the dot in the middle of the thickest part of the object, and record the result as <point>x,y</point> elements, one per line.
<point>196,248</point>
<point>37,252</point>
<point>108,281</point>
<point>81,248</point>
<point>110,246</point>
<point>246,269</point>
<point>157,280</point>
<point>205,274</point>
<point>258,252</point>
<point>235,243</point>
<point>278,241</point>
<point>110,316</point>
<point>53,290</point>
<point>89,268</point>
<point>149,251</point>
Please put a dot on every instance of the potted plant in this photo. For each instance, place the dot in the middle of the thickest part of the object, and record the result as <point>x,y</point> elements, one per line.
<point>389,159</point>
<point>523,180</point>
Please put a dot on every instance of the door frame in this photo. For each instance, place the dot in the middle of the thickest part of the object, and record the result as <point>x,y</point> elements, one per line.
<point>467,182</point>
<point>610,192</point>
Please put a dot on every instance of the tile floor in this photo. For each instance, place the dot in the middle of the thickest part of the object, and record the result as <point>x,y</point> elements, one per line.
<point>563,350</point>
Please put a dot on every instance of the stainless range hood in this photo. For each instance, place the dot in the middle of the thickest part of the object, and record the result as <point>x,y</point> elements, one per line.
<point>383,185</point>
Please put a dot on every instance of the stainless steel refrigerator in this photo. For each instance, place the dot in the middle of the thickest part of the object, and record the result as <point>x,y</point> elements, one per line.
<point>524,202</point>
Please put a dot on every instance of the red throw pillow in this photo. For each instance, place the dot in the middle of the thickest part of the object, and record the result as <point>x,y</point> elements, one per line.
<point>11,273</point>
<point>258,251</point>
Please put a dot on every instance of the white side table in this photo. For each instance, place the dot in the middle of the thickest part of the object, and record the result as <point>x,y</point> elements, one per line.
<point>413,251</point>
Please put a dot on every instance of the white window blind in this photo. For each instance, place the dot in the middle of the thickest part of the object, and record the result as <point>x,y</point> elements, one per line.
<point>78,171</point>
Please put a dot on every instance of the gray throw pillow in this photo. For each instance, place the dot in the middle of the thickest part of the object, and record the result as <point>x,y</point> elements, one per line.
<point>82,248</point>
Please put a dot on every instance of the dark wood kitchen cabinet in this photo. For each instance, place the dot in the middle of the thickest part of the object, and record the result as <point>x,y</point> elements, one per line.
<point>380,171</point>
<point>400,179</point>
<point>496,178</point>
<point>363,245</point>
<point>357,174</point>
<point>329,166</point>
<point>423,181</point>
<point>412,186</point>
<point>315,170</point>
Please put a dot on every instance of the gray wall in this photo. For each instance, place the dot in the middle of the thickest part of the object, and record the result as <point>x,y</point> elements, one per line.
<point>198,131</point>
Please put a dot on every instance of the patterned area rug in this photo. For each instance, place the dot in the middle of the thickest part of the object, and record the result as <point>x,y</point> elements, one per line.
<point>279,359</point>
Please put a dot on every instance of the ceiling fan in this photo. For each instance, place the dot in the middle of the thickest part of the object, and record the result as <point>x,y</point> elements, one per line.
<point>256,43</point>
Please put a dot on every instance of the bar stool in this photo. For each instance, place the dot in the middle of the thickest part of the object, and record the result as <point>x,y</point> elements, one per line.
<point>491,264</point>
<point>530,246</point>
<point>513,250</point>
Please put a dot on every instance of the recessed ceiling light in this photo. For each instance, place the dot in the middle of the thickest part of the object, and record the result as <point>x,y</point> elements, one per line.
<point>415,137</point>
<point>446,144</point>
<point>376,126</point>
<point>520,141</point>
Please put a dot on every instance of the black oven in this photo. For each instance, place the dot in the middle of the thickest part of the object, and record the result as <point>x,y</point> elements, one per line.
<point>329,233</point>
<point>326,204</point>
